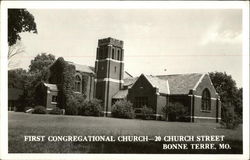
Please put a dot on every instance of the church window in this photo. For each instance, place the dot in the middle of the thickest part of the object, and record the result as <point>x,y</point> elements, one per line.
<point>77,83</point>
<point>140,102</point>
<point>54,99</point>
<point>118,55</point>
<point>115,69</point>
<point>113,53</point>
<point>206,100</point>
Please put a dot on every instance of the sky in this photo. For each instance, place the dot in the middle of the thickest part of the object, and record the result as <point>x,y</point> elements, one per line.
<point>156,41</point>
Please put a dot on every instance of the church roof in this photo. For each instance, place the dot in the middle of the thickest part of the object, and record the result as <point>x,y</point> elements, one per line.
<point>121,94</point>
<point>51,87</point>
<point>170,84</point>
<point>181,83</point>
<point>129,81</point>
<point>161,84</point>
<point>84,68</point>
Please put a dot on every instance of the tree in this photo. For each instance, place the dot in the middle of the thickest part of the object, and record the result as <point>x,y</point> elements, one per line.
<point>16,78</point>
<point>38,72</point>
<point>239,103</point>
<point>229,94</point>
<point>39,66</point>
<point>19,20</point>
<point>41,62</point>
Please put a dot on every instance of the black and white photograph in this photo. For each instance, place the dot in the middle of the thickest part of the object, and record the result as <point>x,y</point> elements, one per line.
<point>102,79</point>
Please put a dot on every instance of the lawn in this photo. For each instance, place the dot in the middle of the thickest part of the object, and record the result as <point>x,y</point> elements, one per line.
<point>21,124</point>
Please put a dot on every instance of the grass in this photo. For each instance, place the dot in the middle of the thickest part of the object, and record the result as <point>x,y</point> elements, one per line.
<point>21,124</point>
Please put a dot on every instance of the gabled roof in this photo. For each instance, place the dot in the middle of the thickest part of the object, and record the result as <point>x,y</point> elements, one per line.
<point>161,84</point>
<point>51,87</point>
<point>181,83</point>
<point>83,68</point>
<point>121,94</point>
<point>129,81</point>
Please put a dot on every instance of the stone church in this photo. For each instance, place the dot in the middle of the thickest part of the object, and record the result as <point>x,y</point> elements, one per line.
<point>109,82</point>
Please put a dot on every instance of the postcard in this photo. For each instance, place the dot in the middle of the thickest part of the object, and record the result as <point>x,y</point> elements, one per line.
<point>125,79</point>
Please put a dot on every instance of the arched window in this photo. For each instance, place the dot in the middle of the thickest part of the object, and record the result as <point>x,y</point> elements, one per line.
<point>77,83</point>
<point>206,100</point>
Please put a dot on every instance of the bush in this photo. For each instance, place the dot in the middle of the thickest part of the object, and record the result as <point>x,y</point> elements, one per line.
<point>176,112</point>
<point>147,112</point>
<point>123,109</point>
<point>81,108</point>
<point>93,108</point>
<point>55,110</point>
<point>40,110</point>
<point>72,106</point>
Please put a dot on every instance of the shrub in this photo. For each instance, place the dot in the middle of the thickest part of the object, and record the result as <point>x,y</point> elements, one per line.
<point>74,103</point>
<point>147,112</point>
<point>55,110</point>
<point>81,108</point>
<point>71,110</point>
<point>72,106</point>
<point>176,112</point>
<point>123,109</point>
<point>40,110</point>
<point>93,108</point>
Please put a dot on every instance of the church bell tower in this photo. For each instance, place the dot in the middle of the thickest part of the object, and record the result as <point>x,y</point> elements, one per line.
<point>109,68</point>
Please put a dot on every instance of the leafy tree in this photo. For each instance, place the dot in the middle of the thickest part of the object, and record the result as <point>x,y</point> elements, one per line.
<point>16,78</point>
<point>229,94</point>
<point>239,103</point>
<point>62,73</point>
<point>38,71</point>
<point>19,20</point>
<point>28,80</point>
<point>41,62</point>
<point>230,119</point>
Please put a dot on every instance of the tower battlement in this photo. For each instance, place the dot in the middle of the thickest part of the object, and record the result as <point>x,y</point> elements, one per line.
<point>110,41</point>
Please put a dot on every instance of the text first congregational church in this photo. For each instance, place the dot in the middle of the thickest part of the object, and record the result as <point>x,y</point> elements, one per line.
<point>109,82</point>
